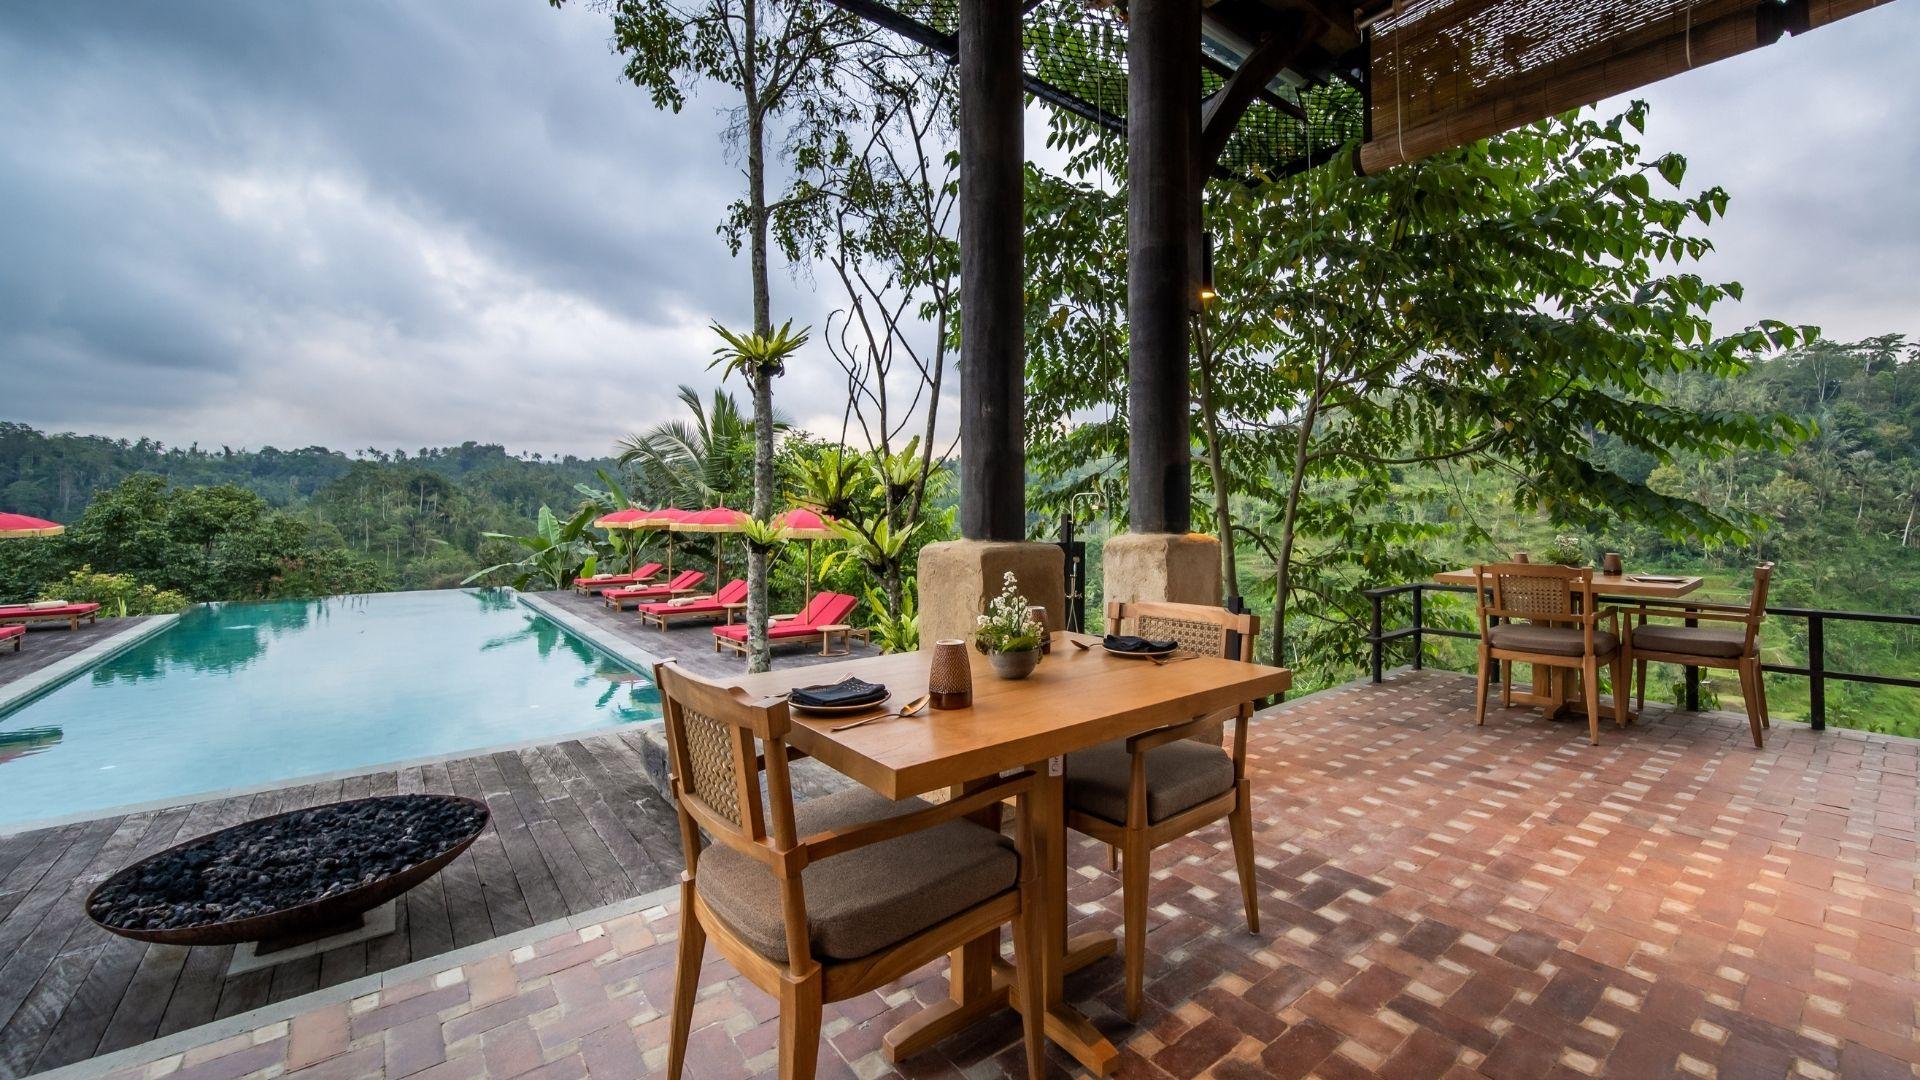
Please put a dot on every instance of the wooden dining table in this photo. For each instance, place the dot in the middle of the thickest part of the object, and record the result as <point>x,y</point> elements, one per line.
<point>1075,699</point>
<point>1557,690</point>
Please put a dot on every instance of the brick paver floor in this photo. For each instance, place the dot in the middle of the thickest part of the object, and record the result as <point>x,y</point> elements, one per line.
<point>1437,900</point>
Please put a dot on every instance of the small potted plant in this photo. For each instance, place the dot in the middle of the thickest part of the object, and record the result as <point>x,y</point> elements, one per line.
<point>1008,634</point>
<point>1566,551</point>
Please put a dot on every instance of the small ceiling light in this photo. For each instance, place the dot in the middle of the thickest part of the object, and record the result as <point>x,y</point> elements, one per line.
<point>1206,268</point>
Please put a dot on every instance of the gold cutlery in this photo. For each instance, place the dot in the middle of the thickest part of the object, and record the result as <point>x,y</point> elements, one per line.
<point>908,709</point>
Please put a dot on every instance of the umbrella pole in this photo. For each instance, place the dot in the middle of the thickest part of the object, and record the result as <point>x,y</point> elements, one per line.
<point>806,587</point>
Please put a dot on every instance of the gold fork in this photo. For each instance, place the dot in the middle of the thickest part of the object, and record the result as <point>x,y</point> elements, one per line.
<point>908,709</point>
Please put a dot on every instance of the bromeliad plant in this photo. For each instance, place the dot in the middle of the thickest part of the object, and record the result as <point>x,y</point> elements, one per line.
<point>1006,627</point>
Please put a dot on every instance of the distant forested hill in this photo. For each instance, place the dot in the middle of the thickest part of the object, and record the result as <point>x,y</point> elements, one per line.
<point>415,517</point>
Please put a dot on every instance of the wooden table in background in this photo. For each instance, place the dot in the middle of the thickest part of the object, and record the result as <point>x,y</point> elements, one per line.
<point>1561,690</point>
<point>1074,700</point>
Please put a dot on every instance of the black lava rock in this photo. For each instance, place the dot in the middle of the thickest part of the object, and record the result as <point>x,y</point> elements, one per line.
<point>282,862</point>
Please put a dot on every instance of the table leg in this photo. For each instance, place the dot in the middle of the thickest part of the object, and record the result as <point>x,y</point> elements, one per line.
<point>972,994</point>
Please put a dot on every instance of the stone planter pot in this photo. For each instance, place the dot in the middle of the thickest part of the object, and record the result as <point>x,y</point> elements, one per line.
<point>1014,665</point>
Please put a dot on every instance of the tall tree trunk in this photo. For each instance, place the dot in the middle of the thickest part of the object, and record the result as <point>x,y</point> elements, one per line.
<point>760,657</point>
<point>1906,534</point>
<point>1216,471</point>
<point>1283,562</point>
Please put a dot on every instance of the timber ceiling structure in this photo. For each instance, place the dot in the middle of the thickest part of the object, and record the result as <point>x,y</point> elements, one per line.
<point>1405,79</point>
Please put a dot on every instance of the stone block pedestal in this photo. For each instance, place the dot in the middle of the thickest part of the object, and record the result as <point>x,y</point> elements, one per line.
<point>1178,568</point>
<point>959,577</point>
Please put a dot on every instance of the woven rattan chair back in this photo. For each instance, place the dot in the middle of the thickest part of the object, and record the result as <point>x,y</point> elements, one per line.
<point>1533,590</point>
<point>714,739</point>
<point>1197,628</point>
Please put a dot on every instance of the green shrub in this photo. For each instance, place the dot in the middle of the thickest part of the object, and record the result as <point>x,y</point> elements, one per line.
<point>117,594</point>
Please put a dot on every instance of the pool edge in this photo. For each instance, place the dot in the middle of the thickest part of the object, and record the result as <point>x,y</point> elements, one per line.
<point>617,647</point>
<point>49,678</point>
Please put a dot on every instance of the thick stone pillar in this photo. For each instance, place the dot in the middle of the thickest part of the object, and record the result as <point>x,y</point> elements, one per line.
<point>1161,559</point>
<point>958,578</point>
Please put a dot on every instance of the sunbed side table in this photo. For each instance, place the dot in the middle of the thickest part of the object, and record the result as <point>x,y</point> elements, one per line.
<point>847,634</point>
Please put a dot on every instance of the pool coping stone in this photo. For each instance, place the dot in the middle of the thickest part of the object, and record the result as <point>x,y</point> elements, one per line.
<point>47,679</point>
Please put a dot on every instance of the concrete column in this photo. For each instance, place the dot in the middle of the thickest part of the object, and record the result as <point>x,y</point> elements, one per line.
<point>957,579</point>
<point>1163,112</point>
<point>1160,559</point>
<point>993,456</point>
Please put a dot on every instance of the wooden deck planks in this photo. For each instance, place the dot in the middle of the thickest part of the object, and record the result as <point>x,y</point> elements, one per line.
<point>575,827</point>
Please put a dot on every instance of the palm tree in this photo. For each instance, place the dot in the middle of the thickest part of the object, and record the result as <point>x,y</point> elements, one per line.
<point>704,461</point>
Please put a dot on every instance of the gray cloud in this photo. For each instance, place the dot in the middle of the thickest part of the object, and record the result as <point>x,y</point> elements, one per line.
<point>366,223</point>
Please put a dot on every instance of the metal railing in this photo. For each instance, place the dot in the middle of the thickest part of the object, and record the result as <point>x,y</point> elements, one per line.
<point>1815,671</point>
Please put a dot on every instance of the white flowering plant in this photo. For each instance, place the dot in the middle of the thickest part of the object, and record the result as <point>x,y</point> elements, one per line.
<point>1006,627</point>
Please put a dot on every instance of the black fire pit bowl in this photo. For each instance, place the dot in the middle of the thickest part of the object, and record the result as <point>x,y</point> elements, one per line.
<point>327,866</point>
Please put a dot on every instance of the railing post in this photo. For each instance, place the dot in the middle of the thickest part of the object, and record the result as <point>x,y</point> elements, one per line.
<point>1377,644</point>
<point>1816,671</point>
<point>1419,624</point>
<point>1693,679</point>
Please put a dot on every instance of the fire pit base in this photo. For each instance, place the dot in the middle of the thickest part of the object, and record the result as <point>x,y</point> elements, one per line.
<point>377,923</point>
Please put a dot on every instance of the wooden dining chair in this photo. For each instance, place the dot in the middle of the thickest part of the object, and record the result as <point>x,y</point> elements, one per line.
<point>1547,616</point>
<point>1735,646</point>
<point>834,897</point>
<point>1147,791</point>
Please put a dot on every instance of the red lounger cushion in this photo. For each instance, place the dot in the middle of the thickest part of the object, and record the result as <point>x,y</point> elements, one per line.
<point>688,579</point>
<point>646,571</point>
<point>826,609</point>
<point>733,592</point>
<point>11,632</point>
<point>14,611</point>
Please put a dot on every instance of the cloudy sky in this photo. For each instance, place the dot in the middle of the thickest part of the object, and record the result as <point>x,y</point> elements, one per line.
<point>403,224</point>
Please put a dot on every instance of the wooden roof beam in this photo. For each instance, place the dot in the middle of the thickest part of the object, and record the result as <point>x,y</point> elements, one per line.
<point>1221,113</point>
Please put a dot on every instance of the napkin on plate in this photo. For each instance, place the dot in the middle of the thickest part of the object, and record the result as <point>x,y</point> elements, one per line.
<point>1129,643</point>
<point>848,691</point>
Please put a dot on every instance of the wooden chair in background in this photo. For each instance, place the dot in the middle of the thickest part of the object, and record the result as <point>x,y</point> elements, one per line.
<point>1147,791</point>
<point>839,895</point>
<point>1735,647</point>
<point>1547,616</point>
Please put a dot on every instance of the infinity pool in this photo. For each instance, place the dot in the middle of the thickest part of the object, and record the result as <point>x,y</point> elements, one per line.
<point>238,695</point>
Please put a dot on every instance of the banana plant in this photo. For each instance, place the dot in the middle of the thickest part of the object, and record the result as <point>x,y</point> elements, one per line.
<point>557,552</point>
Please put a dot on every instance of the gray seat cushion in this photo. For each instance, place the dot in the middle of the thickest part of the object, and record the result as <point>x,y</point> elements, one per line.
<point>861,901</point>
<point>1180,776</point>
<point>1552,640</point>
<point>1691,640</point>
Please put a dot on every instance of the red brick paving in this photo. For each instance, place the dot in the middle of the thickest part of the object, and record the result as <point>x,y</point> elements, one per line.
<point>1438,901</point>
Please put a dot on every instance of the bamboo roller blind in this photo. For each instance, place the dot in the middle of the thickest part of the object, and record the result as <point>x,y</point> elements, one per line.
<point>1443,73</point>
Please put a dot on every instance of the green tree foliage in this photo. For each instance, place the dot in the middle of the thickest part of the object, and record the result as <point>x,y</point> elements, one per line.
<point>1498,307</point>
<point>210,543</point>
<point>420,517</point>
<point>117,594</point>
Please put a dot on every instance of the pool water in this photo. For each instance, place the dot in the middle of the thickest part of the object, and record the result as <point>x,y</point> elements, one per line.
<point>238,695</point>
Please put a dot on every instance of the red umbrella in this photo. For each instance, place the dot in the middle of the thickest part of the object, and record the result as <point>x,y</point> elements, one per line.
<point>638,518</point>
<point>802,523</point>
<point>22,525</point>
<point>719,519</point>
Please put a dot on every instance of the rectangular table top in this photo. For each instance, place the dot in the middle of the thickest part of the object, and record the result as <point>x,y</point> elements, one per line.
<point>1075,699</point>
<point>1604,584</point>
